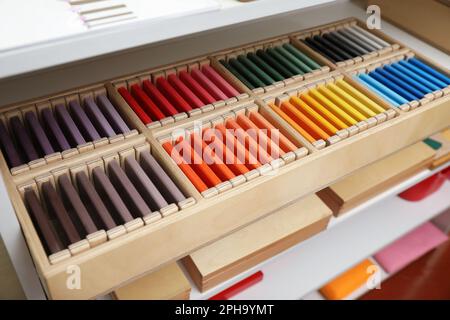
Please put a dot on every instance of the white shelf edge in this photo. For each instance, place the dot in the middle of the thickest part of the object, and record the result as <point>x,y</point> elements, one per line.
<point>138,33</point>
<point>348,244</point>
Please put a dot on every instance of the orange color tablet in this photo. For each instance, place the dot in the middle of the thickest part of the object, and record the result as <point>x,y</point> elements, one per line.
<point>273,132</point>
<point>200,167</point>
<point>241,153</point>
<point>250,142</point>
<point>187,170</point>
<point>292,123</point>
<point>211,158</point>
<point>299,117</point>
<point>263,139</point>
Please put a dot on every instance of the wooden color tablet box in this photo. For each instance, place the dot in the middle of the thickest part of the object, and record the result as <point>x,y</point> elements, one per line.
<point>265,44</point>
<point>167,283</point>
<point>257,242</point>
<point>38,105</point>
<point>376,177</point>
<point>395,45</point>
<point>112,263</point>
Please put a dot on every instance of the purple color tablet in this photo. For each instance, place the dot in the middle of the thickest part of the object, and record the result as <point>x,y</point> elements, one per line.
<point>10,152</point>
<point>38,133</point>
<point>56,209</point>
<point>147,189</point>
<point>84,124</point>
<point>98,118</point>
<point>42,223</point>
<point>54,131</point>
<point>69,128</point>
<point>23,139</point>
<point>128,192</point>
<point>111,197</point>
<point>162,181</point>
<point>80,215</point>
<point>92,200</point>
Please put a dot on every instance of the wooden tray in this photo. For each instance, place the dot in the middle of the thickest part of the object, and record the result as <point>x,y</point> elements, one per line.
<point>276,41</point>
<point>164,71</point>
<point>110,264</point>
<point>395,45</point>
<point>37,105</point>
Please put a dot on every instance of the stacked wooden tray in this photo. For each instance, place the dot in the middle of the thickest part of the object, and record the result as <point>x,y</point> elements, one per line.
<point>156,232</point>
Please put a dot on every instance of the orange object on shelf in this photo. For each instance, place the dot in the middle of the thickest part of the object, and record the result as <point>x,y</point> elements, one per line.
<point>347,282</point>
<point>187,170</point>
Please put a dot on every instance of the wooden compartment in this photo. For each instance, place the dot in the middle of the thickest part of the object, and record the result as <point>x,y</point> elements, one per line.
<point>349,22</point>
<point>373,179</point>
<point>37,106</point>
<point>264,45</point>
<point>277,101</point>
<point>245,248</point>
<point>167,283</point>
<point>49,260</point>
<point>403,55</point>
<point>258,168</point>
<point>164,72</point>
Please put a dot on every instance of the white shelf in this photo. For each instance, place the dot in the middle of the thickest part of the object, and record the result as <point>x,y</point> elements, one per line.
<point>348,240</point>
<point>94,42</point>
<point>315,262</point>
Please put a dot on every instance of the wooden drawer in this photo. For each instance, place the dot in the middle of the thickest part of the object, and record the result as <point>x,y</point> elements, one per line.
<point>167,283</point>
<point>373,179</point>
<point>257,242</point>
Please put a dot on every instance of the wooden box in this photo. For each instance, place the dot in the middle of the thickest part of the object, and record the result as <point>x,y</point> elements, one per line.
<point>146,246</point>
<point>277,41</point>
<point>37,105</point>
<point>395,45</point>
<point>164,71</point>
